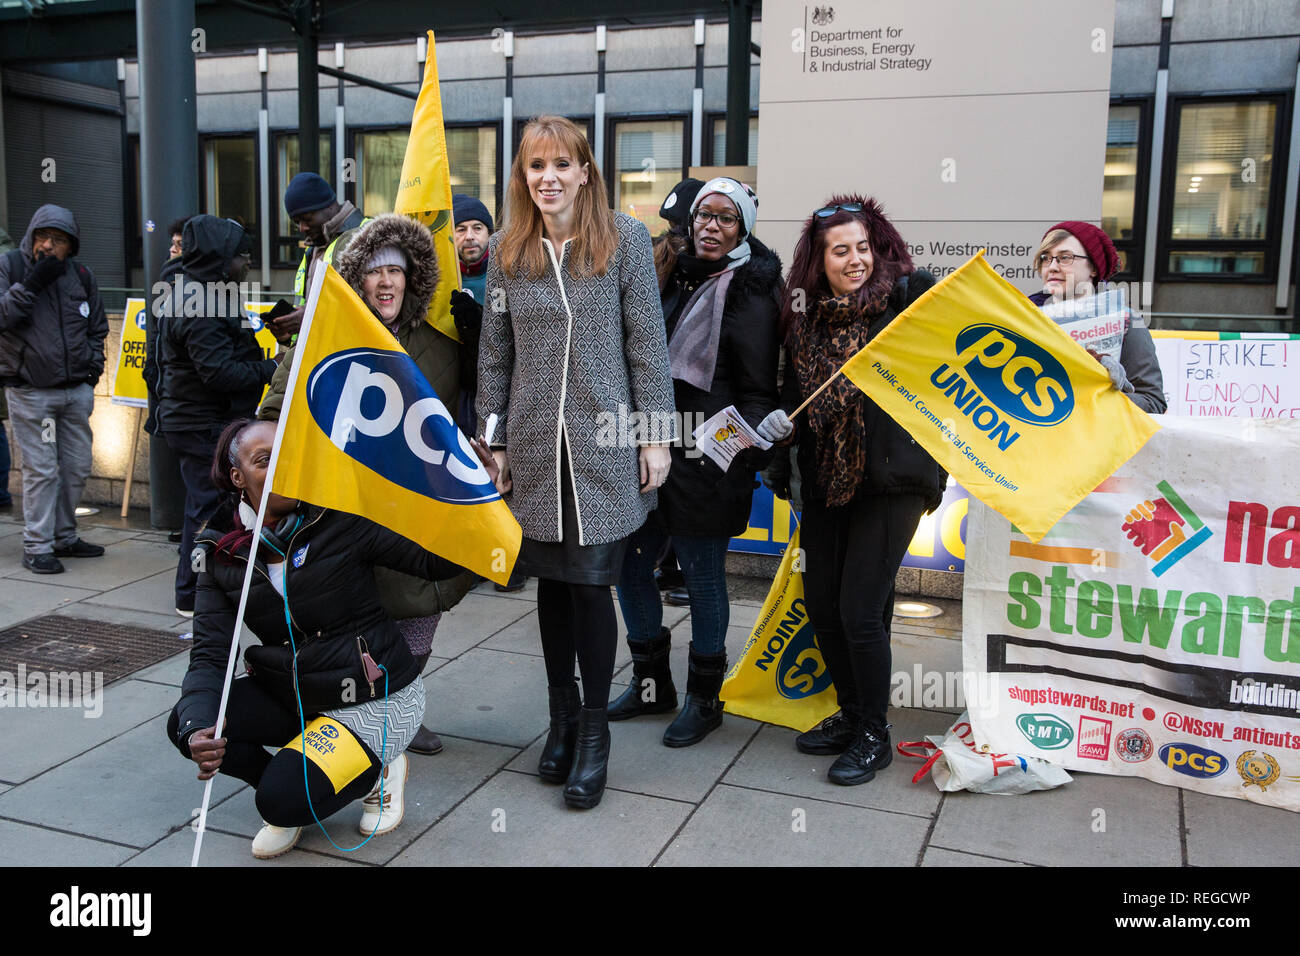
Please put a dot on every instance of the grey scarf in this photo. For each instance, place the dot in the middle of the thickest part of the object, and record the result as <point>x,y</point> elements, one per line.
<point>693,349</point>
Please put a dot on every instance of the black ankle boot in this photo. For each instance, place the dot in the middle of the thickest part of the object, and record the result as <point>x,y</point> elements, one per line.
<point>649,664</point>
<point>557,755</point>
<point>869,752</point>
<point>586,784</point>
<point>702,712</point>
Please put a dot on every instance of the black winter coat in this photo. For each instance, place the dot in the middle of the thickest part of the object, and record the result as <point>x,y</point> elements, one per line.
<point>210,367</point>
<point>896,464</point>
<point>53,338</point>
<point>698,500</point>
<point>334,606</point>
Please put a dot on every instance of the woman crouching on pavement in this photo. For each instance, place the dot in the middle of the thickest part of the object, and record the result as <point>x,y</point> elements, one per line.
<point>866,482</point>
<point>721,300</point>
<point>390,264</point>
<point>330,658</point>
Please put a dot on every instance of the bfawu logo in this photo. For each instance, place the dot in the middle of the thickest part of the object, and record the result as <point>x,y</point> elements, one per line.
<point>1193,761</point>
<point>74,909</point>
<point>378,409</point>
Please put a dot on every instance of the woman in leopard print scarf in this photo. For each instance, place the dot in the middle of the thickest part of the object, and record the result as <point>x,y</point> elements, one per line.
<point>866,483</point>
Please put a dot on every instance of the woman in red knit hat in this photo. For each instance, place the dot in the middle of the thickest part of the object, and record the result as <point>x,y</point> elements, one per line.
<point>1074,260</point>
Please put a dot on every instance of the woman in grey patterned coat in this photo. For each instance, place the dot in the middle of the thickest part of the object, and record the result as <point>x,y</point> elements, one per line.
<point>574,366</point>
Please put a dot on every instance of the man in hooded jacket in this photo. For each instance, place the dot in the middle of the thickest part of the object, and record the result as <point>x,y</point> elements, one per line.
<point>52,331</point>
<point>210,367</point>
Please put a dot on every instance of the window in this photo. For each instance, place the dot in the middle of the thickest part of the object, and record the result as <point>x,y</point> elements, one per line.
<point>648,163</point>
<point>719,138</point>
<point>287,165</point>
<point>1124,188</point>
<point>472,155</point>
<point>379,168</point>
<point>1221,192</point>
<point>230,181</point>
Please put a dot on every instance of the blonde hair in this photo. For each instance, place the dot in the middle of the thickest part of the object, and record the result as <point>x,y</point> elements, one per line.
<point>595,237</point>
<point>1049,241</point>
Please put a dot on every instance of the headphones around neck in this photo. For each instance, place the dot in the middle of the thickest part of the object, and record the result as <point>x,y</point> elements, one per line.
<point>278,539</point>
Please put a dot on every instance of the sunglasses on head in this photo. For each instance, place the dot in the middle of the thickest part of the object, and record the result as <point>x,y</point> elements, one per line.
<point>828,211</point>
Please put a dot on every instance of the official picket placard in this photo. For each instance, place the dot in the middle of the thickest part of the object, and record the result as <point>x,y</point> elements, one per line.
<point>978,125</point>
<point>128,379</point>
<point>1155,630</point>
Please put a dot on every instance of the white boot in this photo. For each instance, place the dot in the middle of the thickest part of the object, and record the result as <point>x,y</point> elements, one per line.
<point>378,819</point>
<point>272,841</point>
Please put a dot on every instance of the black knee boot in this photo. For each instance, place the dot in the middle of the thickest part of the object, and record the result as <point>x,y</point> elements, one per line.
<point>557,755</point>
<point>586,784</point>
<point>702,712</point>
<point>649,664</point>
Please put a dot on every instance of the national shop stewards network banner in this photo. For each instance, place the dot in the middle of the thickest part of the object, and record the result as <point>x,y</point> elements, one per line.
<point>1155,631</point>
<point>1009,404</point>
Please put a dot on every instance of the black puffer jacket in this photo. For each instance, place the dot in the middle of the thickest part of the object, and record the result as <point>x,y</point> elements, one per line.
<point>896,464</point>
<point>211,369</point>
<point>698,500</point>
<point>53,338</point>
<point>332,602</point>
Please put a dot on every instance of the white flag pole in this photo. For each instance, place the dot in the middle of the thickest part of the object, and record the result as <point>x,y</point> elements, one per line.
<point>300,348</point>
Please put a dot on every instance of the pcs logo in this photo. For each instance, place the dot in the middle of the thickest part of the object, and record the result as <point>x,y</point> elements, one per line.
<point>1005,374</point>
<point>801,670</point>
<point>378,409</point>
<point>1193,761</point>
<point>329,730</point>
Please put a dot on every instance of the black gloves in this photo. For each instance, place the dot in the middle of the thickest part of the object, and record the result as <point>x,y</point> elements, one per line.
<point>42,273</point>
<point>468,316</point>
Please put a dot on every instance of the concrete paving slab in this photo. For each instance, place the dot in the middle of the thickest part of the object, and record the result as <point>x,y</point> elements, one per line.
<point>11,544</point>
<point>521,637</point>
<point>36,739</point>
<point>171,671</point>
<point>21,599</point>
<point>155,594</point>
<point>432,665</point>
<point>132,617</point>
<point>771,762</point>
<point>934,856</point>
<point>134,789</point>
<point>122,563</point>
<point>926,672</point>
<point>535,828</point>
<point>222,849</point>
<point>434,785</point>
<point>476,617</point>
<point>740,827</point>
<point>1056,827</point>
<point>25,845</point>
<point>1222,831</point>
<point>491,696</point>
<point>640,763</point>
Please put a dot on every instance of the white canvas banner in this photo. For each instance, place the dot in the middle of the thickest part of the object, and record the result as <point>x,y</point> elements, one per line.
<point>1155,630</point>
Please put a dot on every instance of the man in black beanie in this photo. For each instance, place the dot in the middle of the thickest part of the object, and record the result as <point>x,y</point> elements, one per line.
<point>327,226</point>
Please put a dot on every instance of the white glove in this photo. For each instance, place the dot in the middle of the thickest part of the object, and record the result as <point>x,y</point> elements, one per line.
<point>776,427</point>
<point>1117,377</point>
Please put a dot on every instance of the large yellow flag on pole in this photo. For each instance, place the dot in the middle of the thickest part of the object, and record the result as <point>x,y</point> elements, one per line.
<point>1006,401</point>
<point>424,191</point>
<point>363,431</point>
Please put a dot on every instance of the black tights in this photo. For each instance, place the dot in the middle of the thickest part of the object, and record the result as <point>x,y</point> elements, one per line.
<point>254,721</point>
<point>852,556</point>
<point>577,620</point>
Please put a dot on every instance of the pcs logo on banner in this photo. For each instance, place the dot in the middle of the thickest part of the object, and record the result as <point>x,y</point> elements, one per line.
<point>378,409</point>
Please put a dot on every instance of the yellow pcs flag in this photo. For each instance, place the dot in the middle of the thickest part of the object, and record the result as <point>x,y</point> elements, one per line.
<point>364,432</point>
<point>424,192</point>
<point>1008,403</point>
<point>781,677</point>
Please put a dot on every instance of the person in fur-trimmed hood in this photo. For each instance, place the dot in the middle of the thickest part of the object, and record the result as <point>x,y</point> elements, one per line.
<point>721,299</point>
<point>391,265</point>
